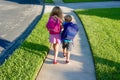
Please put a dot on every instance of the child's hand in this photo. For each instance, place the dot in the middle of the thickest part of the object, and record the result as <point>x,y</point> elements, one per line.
<point>58,18</point>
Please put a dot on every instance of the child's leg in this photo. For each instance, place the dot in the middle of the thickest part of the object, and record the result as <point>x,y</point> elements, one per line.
<point>55,47</point>
<point>64,48</point>
<point>64,52</point>
<point>68,50</point>
<point>68,56</point>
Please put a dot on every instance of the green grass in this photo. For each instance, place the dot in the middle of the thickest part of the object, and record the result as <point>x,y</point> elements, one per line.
<point>103,30</point>
<point>49,1</point>
<point>70,1</point>
<point>26,61</point>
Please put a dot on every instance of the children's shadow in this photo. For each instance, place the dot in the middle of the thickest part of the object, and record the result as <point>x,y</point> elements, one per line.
<point>49,59</point>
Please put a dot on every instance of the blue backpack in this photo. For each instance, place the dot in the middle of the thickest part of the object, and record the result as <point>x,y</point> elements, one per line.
<point>69,32</point>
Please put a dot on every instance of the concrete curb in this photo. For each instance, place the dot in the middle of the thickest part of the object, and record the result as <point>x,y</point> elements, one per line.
<point>83,67</point>
<point>89,45</point>
<point>17,42</point>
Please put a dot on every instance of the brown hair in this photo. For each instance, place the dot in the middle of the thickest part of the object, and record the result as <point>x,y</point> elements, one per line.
<point>57,11</point>
<point>68,18</point>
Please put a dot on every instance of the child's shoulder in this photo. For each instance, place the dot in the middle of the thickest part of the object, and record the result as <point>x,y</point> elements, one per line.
<point>67,23</point>
<point>72,25</point>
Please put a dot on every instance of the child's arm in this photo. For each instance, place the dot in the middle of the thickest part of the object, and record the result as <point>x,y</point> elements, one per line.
<point>61,21</point>
<point>58,18</point>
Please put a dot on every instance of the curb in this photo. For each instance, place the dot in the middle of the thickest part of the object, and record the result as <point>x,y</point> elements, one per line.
<point>88,43</point>
<point>5,54</point>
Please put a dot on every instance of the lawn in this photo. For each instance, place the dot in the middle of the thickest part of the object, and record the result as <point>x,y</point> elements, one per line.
<point>70,1</point>
<point>102,27</point>
<point>49,1</point>
<point>26,61</point>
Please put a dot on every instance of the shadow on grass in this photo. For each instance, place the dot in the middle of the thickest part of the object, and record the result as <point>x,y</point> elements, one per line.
<point>35,48</point>
<point>106,13</point>
<point>106,69</point>
<point>108,75</point>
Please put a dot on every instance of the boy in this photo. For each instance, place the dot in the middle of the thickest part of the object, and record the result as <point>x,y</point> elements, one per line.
<point>67,36</point>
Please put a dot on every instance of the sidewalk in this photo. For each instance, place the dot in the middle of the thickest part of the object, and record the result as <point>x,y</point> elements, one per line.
<point>17,19</point>
<point>81,65</point>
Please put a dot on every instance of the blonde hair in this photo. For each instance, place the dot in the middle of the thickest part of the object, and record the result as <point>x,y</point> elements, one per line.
<point>68,18</point>
<point>57,11</point>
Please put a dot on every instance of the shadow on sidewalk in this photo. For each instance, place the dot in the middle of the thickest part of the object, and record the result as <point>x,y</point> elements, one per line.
<point>4,43</point>
<point>5,54</point>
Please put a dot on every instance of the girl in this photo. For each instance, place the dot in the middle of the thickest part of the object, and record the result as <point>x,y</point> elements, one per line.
<point>55,38</point>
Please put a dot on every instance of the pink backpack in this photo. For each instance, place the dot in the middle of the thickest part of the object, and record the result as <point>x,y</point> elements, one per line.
<point>53,25</point>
